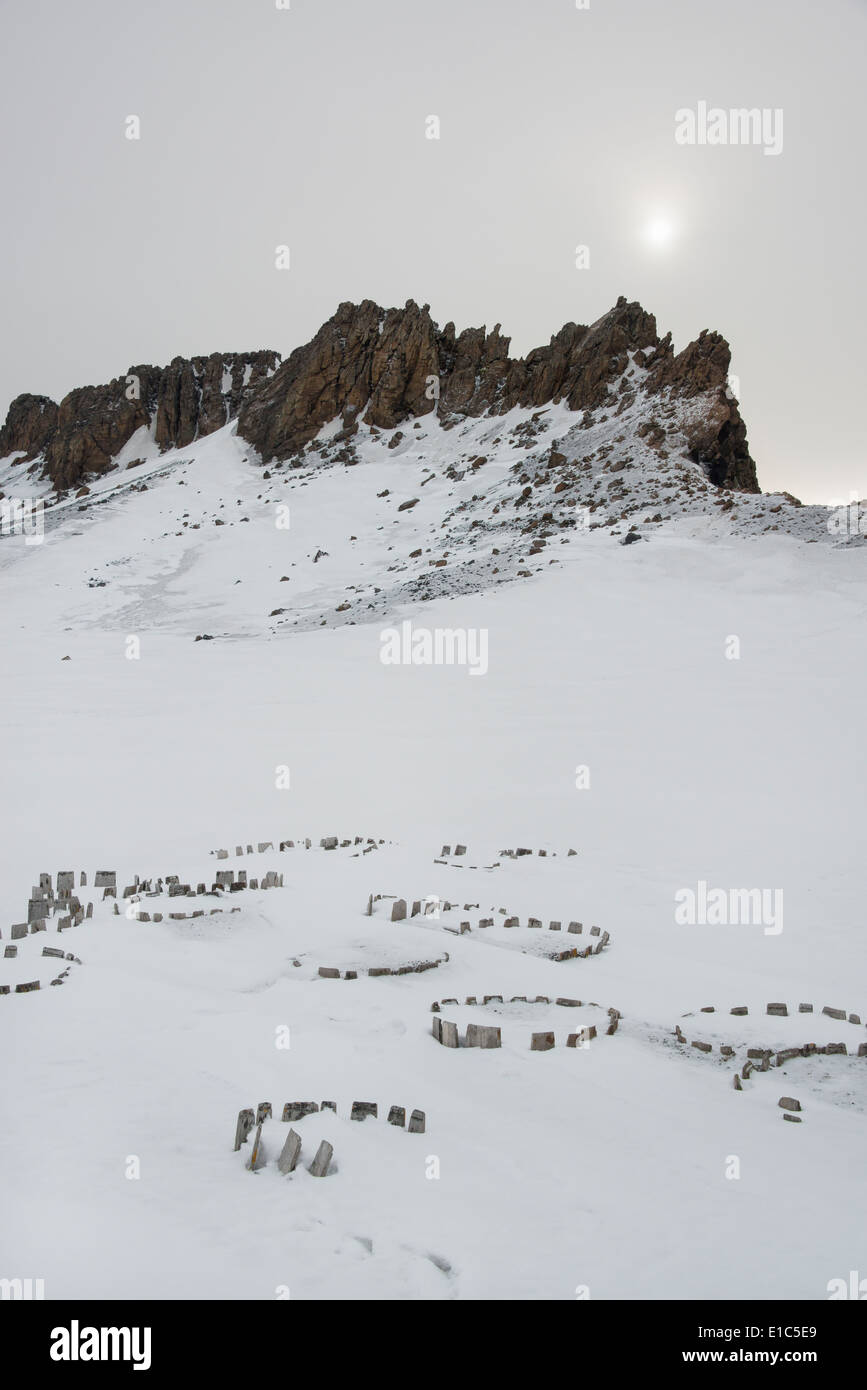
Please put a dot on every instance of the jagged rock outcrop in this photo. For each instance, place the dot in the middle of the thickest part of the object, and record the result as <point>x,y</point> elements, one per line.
<point>383,367</point>
<point>83,435</point>
<point>363,357</point>
<point>30,423</point>
<point>716,433</point>
<point>93,424</point>
<point>198,395</point>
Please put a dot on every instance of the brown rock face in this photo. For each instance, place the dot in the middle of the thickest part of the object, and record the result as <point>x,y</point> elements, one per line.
<point>84,434</point>
<point>362,357</point>
<point>579,363</point>
<point>198,395</point>
<point>385,366</point>
<point>29,425</point>
<point>93,424</point>
<point>718,435</point>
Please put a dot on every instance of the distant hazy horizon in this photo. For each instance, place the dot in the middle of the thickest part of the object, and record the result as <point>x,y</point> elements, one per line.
<point>559,127</point>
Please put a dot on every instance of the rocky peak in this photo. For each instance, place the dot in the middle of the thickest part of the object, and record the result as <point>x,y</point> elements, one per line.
<point>386,366</point>
<point>383,367</point>
<point>84,434</point>
<point>30,423</point>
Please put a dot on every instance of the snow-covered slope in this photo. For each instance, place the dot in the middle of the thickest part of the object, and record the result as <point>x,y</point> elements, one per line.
<point>354,530</point>
<point>616,717</point>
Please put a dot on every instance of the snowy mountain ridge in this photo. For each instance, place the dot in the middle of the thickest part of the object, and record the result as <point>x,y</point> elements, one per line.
<point>408,463</point>
<point>352,530</point>
<point>385,368</point>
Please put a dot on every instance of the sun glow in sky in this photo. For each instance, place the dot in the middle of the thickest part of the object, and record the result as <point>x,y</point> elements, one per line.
<point>659,231</point>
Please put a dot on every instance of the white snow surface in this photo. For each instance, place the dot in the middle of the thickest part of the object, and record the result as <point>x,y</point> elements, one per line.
<point>539,1173</point>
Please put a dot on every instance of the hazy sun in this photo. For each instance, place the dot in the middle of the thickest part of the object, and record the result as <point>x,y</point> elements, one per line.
<point>659,231</point>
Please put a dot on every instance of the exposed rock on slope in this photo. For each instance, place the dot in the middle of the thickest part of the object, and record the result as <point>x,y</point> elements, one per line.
<point>30,423</point>
<point>85,433</point>
<point>386,366</point>
<point>198,396</point>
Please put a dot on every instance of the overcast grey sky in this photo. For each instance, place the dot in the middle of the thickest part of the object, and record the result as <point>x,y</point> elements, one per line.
<point>306,126</point>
